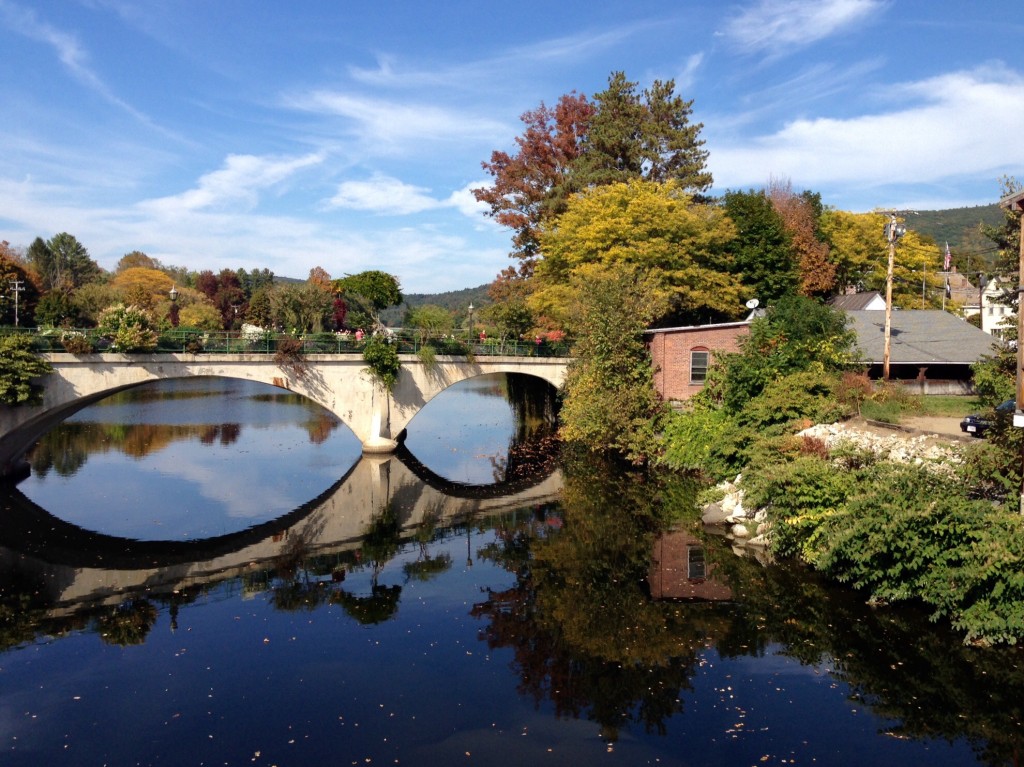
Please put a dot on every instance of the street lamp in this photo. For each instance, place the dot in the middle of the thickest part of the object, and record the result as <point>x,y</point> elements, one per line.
<point>173,295</point>
<point>17,286</point>
<point>471,321</point>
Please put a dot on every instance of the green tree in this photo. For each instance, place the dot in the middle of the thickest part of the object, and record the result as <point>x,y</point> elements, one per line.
<point>509,312</point>
<point>762,251</point>
<point>1007,236</point>
<point>19,365</point>
<point>304,307</point>
<point>370,292</point>
<point>429,320</point>
<point>648,135</point>
<point>56,308</point>
<point>63,263</point>
<point>796,334</point>
<point>611,405</point>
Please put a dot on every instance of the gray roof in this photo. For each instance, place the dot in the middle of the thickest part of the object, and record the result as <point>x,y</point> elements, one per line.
<point>919,337</point>
<point>854,301</point>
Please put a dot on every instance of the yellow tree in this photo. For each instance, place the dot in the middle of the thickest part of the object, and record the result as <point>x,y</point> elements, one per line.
<point>860,253</point>
<point>142,286</point>
<point>653,227</point>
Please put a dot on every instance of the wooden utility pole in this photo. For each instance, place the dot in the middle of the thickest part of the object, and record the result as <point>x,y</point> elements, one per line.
<point>893,232</point>
<point>1015,202</point>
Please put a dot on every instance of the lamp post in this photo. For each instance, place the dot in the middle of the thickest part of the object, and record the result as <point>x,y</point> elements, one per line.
<point>173,295</point>
<point>471,322</point>
<point>17,286</point>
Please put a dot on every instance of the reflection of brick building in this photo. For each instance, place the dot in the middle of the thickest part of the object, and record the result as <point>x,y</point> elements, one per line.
<point>681,356</point>
<point>679,571</point>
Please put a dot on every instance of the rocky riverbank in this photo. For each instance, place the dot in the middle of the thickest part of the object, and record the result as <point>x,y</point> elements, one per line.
<point>749,528</point>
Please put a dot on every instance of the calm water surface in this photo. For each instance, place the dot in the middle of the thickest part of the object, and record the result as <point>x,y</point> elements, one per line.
<point>209,573</point>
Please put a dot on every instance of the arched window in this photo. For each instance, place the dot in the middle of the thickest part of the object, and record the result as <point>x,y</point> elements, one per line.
<point>700,358</point>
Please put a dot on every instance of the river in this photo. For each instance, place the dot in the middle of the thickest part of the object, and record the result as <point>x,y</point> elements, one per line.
<point>208,572</point>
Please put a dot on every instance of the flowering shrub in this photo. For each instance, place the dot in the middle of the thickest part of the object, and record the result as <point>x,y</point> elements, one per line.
<point>76,342</point>
<point>129,328</point>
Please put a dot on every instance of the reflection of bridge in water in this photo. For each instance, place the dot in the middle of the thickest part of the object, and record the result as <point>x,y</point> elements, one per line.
<point>79,568</point>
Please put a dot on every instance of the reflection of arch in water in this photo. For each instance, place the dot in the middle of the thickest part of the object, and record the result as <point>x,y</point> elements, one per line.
<point>465,490</point>
<point>82,567</point>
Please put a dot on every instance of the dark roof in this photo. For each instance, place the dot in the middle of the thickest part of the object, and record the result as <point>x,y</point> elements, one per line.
<point>855,302</point>
<point>919,337</point>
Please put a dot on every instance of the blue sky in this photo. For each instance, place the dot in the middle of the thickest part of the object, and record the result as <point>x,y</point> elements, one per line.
<point>347,135</point>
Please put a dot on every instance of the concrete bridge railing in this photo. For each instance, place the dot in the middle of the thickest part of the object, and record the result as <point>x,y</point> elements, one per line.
<point>341,383</point>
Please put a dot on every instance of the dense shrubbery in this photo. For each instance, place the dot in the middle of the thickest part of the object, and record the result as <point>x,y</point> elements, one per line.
<point>788,374</point>
<point>19,364</point>
<point>901,533</point>
<point>129,328</point>
<point>382,359</point>
<point>936,535</point>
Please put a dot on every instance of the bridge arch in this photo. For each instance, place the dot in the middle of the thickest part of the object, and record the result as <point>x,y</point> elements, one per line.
<point>340,383</point>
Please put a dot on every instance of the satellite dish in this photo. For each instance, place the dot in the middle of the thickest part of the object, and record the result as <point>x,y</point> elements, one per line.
<point>752,303</point>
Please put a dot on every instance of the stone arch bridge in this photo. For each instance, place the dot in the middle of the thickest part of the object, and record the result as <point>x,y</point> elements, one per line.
<point>341,383</point>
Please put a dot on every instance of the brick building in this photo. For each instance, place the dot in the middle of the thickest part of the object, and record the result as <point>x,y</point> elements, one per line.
<point>681,356</point>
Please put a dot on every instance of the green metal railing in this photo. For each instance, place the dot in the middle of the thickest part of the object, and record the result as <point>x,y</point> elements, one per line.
<point>85,341</point>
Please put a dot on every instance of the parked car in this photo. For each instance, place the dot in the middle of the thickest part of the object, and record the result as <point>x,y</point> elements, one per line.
<point>976,424</point>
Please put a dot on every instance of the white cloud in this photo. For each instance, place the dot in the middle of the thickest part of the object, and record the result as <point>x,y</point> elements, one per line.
<point>963,124</point>
<point>237,183</point>
<point>388,124</point>
<point>686,78</point>
<point>492,71</point>
<point>464,201</point>
<point>779,26</point>
<point>383,194</point>
<point>390,196</point>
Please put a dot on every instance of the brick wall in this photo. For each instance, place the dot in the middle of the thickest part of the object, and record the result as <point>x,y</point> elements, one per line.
<point>670,352</point>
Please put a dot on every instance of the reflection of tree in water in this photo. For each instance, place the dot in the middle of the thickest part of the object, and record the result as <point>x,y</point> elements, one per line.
<point>915,673</point>
<point>303,582</point>
<point>586,636</point>
<point>127,624</point>
<point>427,566</point>
<point>532,448</point>
<point>584,632</point>
<point>66,448</point>
<point>380,606</point>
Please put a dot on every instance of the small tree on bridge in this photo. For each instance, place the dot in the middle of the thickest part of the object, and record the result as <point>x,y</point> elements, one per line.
<point>368,293</point>
<point>18,366</point>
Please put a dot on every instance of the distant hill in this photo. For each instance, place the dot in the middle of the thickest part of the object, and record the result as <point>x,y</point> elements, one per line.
<point>957,226</point>
<point>455,301</point>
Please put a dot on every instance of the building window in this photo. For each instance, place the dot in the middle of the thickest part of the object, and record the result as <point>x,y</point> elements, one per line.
<point>699,359</point>
<point>696,569</point>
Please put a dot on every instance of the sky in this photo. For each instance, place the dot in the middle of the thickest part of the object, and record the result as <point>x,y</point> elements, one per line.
<point>345,135</point>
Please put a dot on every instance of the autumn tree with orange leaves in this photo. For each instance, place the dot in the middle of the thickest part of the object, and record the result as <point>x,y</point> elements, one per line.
<point>800,214</point>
